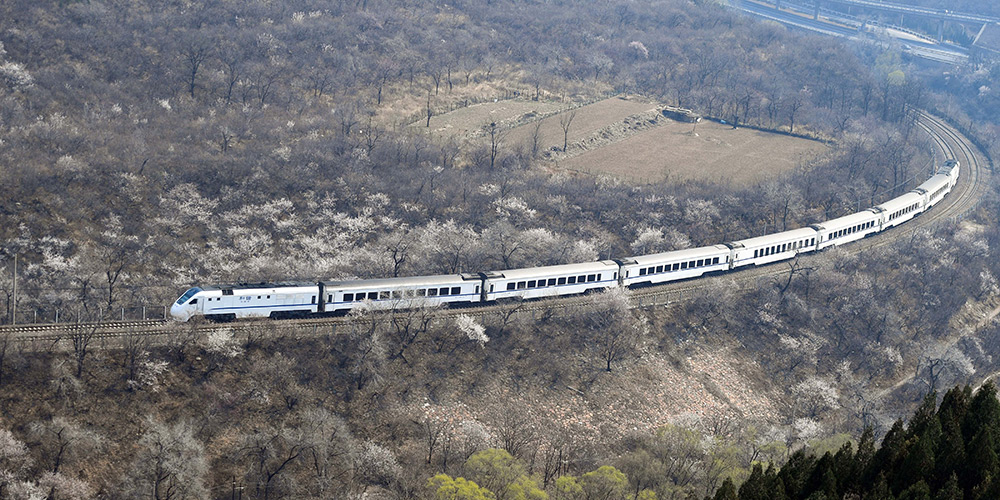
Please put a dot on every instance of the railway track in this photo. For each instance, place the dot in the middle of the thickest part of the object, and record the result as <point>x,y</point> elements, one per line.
<point>963,199</point>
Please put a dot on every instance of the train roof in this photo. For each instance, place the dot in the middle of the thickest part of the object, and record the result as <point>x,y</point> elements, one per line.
<point>901,201</point>
<point>847,220</point>
<point>257,286</point>
<point>769,239</point>
<point>530,272</point>
<point>411,281</point>
<point>935,182</point>
<point>687,253</point>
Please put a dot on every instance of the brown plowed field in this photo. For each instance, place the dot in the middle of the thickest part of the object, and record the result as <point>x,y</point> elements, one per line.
<point>712,152</point>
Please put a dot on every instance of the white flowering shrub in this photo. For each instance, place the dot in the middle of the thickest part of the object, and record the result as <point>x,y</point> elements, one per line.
<point>471,329</point>
<point>222,342</point>
<point>14,76</point>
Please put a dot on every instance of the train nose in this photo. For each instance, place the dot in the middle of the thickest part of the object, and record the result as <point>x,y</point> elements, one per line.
<point>177,312</point>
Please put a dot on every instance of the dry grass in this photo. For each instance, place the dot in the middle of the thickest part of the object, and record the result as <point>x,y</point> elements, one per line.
<point>589,120</point>
<point>711,152</point>
<point>467,122</point>
<point>616,137</point>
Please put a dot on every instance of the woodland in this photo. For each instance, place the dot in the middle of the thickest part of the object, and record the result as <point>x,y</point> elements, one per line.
<point>148,146</point>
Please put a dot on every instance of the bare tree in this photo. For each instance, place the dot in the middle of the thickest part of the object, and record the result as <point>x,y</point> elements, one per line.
<point>496,135</point>
<point>612,330</point>
<point>535,139</point>
<point>329,448</point>
<point>170,465</point>
<point>430,112</point>
<point>565,120</point>
<point>63,441</point>
<point>81,337</point>
<point>194,53</point>
<point>5,343</point>
<point>270,453</point>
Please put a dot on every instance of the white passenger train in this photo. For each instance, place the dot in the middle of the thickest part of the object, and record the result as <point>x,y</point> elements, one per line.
<point>224,302</point>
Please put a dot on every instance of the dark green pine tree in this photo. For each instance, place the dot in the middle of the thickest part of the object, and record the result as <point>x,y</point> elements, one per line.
<point>727,491</point>
<point>880,491</point>
<point>863,458</point>
<point>925,418</point>
<point>796,472</point>
<point>950,490</point>
<point>819,480</point>
<point>954,405</point>
<point>984,411</point>
<point>774,484</point>
<point>755,487</point>
<point>950,451</point>
<point>917,491</point>
<point>917,464</point>
<point>981,465</point>
<point>887,457</point>
<point>845,468</point>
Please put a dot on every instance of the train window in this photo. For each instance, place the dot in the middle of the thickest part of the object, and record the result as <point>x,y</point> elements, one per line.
<point>227,292</point>
<point>676,266</point>
<point>755,252</point>
<point>572,280</point>
<point>491,288</point>
<point>561,281</point>
<point>477,289</point>
<point>684,265</point>
<point>511,285</point>
<point>432,292</point>
<point>659,269</point>
<point>715,260</point>
<point>193,302</point>
<point>421,292</point>
<point>591,277</point>
<point>598,277</point>
<point>458,290</point>
<point>552,282</point>
<point>443,291</point>
<point>642,272</point>
<point>383,295</point>
<point>531,283</point>
<point>258,297</point>
<point>348,297</point>
<point>396,294</point>
<point>372,295</point>
<point>313,301</point>
<point>520,285</point>
<point>701,262</point>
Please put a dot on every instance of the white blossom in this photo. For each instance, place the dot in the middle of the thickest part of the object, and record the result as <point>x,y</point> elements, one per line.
<point>468,326</point>
<point>15,76</point>
<point>807,428</point>
<point>223,342</point>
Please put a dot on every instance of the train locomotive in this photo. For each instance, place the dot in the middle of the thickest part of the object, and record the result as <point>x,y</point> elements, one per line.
<point>283,300</point>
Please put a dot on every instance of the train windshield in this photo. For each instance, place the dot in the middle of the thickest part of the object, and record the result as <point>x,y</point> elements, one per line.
<point>187,295</point>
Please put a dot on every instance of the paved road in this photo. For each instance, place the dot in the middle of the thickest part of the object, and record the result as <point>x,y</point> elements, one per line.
<point>924,49</point>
